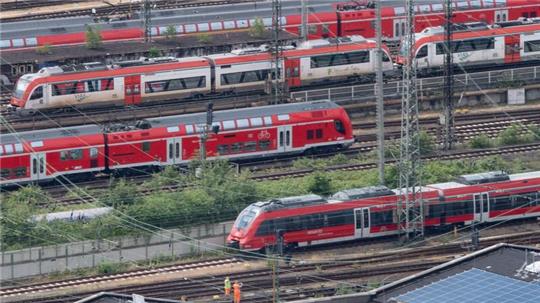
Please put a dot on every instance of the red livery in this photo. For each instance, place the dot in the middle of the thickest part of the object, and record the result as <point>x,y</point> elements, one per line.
<point>243,133</point>
<point>371,212</point>
<point>349,19</point>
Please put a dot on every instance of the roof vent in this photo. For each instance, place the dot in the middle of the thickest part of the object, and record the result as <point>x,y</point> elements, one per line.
<point>493,176</point>
<point>361,193</point>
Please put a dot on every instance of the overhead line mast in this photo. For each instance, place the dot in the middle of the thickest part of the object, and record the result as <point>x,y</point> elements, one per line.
<point>410,205</point>
<point>277,54</point>
<point>380,94</point>
<point>448,123</point>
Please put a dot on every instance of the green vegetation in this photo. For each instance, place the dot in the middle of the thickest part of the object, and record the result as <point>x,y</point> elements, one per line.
<point>515,134</point>
<point>93,38</point>
<point>257,30</point>
<point>153,52</point>
<point>44,49</point>
<point>204,38</point>
<point>217,194</point>
<point>170,32</point>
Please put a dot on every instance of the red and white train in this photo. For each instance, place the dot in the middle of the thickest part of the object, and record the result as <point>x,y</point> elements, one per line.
<point>243,133</point>
<point>371,212</point>
<point>349,19</point>
<point>478,44</point>
<point>135,82</point>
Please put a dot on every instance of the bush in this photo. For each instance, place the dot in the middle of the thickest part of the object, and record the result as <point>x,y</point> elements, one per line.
<point>258,29</point>
<point>426,142</point>
<point>204,38</point>
<point>513,135</point>
<point>108,268</point>
<point>44,49</point>
<point>123,193</point>
<point>170,32</point>
<point>319,184</point>
<point>153,52</point>
<point>481,141</point>
<point>93,38</point>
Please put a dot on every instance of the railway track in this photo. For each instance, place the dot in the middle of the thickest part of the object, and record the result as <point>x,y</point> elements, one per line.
<point>29,4</point>
<point>256,281</point>
<point>121,10</point>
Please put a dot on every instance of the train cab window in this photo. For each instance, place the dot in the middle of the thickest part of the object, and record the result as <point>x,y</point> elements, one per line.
<point>38,93</point>
<point>319,133</point>
<point>423,52</point>
<point>309,134</point>
<point>339,126</point>
<point>246,217</point>
<point>385,57</point>
<point>93,153</point>
<point>264,144</point>
<point>145,146</point>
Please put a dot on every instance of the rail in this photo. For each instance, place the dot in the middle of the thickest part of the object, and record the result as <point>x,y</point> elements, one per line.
<point>427,87</point>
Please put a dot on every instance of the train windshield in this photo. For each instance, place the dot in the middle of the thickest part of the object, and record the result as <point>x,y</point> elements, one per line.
<point>246,217</point>
<point>22,84</point>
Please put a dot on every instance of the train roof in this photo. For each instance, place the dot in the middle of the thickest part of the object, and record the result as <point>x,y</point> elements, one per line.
<point>290,202</point>
<point>37,136</point>
<point>361,193</point>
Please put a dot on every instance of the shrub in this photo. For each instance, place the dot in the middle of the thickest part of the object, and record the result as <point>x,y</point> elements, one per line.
<point>513,135</point>
<point>153,52</point>
<point>170,32</point>
<point>319,184</point>
<point>93,38</point>
<point>258,29</point>
<point>481,141</point>
<point>44,49</point>
<point>204,38</point>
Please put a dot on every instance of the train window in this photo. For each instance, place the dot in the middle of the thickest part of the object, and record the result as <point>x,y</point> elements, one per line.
<point>34,166</point>
<point>242,123</point>
<point>177,150</point>
<point>385,57</point>
<point>38,93</point>
<point>467,45</point>
<point>319,133</point>
<point>500,203</point>
<point>476,4</point>
<point>312,29</point>
<point>223,149</point>
<point>423,52</point>
<point>283,117</point>
<point>523,200</point>
<point>21,69</point>
<point>532,46</point>
<point>325,29</point>
<point>309,135</point>
<point>4,173</point>
<point>174,84</point>
<point>171,150</point>
<point>339,126</point>
<point>267,121</point>
<point>1,150</point>
<point>266,228</point>
<point>243,77</point>
<point>256,122</point>
<point>14,70</point>
<point>145,146</point>
<point>340,59</point>
<point>41,166</point>
<point>18,147</point>
<point>20,171</point>
<point>236,147</point>
<point>93,152</point>
<point>264,144</point>
<point>8,149</point>
<point>189,129</point>
<point>29,68</point>
<point>250,146</point>
<point>229,124</point>
<point>74,154</point>
<point>437,7</point>
<point>382,218</point>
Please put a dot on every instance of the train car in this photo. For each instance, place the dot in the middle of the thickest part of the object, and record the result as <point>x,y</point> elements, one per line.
<point>148,80</point>
<point>46,154</point>
<point>371,212</point>
<point>480,45</point>
<point>268,131</point>
<point>355,18</point>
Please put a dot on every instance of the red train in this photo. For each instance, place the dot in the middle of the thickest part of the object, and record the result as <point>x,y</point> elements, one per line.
<point>348,19</point>
<point>148,80</point>
<point>371,212</point>
<point>243,133</point>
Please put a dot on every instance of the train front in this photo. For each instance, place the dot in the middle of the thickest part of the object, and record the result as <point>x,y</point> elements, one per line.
<point>243,231</point>
<point>25,89</point>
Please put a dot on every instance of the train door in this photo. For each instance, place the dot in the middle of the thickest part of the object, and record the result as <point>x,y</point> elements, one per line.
<point>284,138</point>
<point>361,222</point>
<point>38,166</point>
<point>501,15</point>
<point>481,207</point>
<point>399,28</point>
<point>292,68</point>
<point>132,89</point>
<point>511,48</point>
<point>174,150</point>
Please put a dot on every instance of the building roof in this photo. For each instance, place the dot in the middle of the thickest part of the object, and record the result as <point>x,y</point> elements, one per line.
<point>111,297</point>
<point>471,286</point>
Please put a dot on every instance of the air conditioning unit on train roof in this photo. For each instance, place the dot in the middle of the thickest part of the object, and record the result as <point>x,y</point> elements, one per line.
<point>51,70</point>
<point>332,41</point>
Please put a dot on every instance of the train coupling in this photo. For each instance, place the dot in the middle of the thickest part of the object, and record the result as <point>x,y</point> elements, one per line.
<point>233,244</point>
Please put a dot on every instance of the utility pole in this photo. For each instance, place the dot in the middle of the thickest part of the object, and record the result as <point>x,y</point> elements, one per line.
<point>204,135</point>
<point>147,20</point>
<point>275,268</point>
<point>304,29</point>
<point>410,205</point>
<point>380,96</point>
<point>277,53</point>
<point>448,122</point>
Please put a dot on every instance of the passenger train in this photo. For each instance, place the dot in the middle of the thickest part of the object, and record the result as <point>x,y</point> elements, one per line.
<point>354,18</point>
<point>372,212</point>
<point>83,151</point>
<point>147,80</point>
<point>477,44</point>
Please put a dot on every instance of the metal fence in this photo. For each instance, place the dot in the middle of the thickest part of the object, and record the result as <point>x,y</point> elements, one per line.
<point>70,256</point>
<point>427,86</point>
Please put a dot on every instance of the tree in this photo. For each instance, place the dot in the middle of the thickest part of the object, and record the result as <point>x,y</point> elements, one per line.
<point>93,37</point>
<point>204,38</point>
<point>153,52</point>
<point>170,32</point>
<point>319,184</point>
<point>258,29</point>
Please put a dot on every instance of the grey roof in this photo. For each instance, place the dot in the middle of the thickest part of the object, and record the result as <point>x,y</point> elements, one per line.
<point>197,118</point>
<point>364,192</point>
<point>487,177</point>
<point>111,297</point>
<point>472,286</point>
<point>290,202</point>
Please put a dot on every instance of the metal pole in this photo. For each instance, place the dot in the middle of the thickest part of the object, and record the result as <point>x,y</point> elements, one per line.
<point>304,30</point>
<point>147,20</point>
<point>380,97</point>
<point>448,80</point>
<point>206,130</point>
